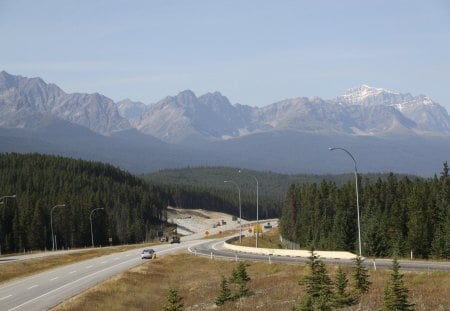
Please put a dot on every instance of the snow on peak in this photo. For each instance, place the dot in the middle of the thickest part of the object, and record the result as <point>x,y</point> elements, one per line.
<point>364,91</point>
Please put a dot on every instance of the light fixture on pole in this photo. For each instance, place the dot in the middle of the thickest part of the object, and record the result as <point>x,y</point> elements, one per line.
<point>257,208</point>
<point>51,223</point>
<point>6,196</point>
<point>2,202</point>
<point>357,197</point>
<point>240,210</point>
<point>90,218</point>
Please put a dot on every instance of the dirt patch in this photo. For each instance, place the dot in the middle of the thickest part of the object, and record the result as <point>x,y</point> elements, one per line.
<point>191,221</point>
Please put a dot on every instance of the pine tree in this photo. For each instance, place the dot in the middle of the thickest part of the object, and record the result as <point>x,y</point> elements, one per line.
<point>395,293</point>
<point>173,301</point>
<point>240,277</point>
<point>361,276</point>
<point>326,296</point>
<point>342,296</point>
<point>224,294</point>
<point>319,289</point>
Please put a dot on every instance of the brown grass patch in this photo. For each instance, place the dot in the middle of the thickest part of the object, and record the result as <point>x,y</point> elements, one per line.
<point>274,286</point>
<point>268,239</point>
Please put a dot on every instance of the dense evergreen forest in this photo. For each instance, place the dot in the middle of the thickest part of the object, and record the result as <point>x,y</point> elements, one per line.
<point>204,187</point>
<point>133,208</point>
<point>398,215</point>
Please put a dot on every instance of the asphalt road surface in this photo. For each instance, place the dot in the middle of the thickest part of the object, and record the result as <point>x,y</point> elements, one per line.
<point>215,249</point>
<point>47,289</point>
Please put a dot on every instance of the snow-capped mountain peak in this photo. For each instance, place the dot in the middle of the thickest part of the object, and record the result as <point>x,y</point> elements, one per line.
<point>369,96</point>
<point>361,93</point>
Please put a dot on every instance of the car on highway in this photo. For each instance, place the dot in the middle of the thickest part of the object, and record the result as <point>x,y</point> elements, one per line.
<point>147,253</point>
<point>175,239</point>
<point>267,226</point>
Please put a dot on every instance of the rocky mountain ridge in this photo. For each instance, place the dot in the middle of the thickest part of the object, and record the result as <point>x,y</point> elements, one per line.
<point>361,111</point>
<point>186,118</point>
<point>386,131</point>
<point>24,102</point>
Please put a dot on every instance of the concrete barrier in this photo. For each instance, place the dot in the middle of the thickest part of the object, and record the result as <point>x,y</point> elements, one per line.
<point>288,252</point>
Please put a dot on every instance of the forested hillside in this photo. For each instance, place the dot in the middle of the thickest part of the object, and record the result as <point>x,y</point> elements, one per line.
<point>398,215</point>
<point>204,187</point>
<point>133,208</point>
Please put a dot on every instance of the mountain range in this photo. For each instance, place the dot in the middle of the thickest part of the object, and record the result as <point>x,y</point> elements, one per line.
<point>385,130</point>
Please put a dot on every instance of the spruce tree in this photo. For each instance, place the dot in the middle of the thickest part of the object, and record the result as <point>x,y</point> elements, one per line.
<point>173,301</point>
<point>240,277</point>
<point>319,288</point>
<point>395,293</point>
<point>224,294</point>
<point>342,296</point>
<point>361,276</point>
<point>326,296</point>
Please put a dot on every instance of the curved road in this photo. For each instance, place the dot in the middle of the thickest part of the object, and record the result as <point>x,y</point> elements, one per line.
<point>47,289</point>
<point>214,248</point>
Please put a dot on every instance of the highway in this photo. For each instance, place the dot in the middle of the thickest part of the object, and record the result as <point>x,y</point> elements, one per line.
<point>47,289</point>
<point>215,249</point>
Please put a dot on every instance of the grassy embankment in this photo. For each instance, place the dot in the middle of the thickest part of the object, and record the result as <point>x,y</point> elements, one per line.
<point>274,286</point>
<point>21,268</point>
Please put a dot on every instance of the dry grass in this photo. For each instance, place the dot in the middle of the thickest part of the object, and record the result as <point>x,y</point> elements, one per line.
<point>21,268</point>
<point>274,286</point>
<point>268,239</point>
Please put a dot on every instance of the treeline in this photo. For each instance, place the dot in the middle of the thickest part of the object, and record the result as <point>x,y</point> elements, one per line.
<point>132,208</point>
<point>398,215</point>
<point>204,187</point>
<point>225,201</point>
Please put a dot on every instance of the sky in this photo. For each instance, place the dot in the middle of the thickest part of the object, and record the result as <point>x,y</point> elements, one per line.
<point>255,52</point>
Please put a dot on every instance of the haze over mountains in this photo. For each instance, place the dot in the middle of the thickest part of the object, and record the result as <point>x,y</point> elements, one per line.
<point>385,130</point>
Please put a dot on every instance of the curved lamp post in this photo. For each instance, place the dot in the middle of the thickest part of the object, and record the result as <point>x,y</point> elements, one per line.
<point>6,196</point>
<point>2,202</point>
<point>51,223</point>
<point>357,197</point>
<point>90,218</point>
<point>240,210</point>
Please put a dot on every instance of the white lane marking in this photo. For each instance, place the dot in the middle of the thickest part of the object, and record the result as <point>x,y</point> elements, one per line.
<point>67,284</point>
<point>3,298</point>
<point>72,272</point>
<point>87,276</point>
<point>214,245</point>
<point>88,267</point>
<point>190,248</point>
<point>35,285</point>
<point>54,278</point>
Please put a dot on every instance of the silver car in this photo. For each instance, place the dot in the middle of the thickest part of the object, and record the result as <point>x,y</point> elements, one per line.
<point>147,253</point>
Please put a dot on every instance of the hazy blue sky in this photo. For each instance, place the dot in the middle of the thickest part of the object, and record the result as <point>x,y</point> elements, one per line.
<point>255,52</point>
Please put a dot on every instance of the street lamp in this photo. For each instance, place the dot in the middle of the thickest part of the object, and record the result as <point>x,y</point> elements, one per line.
<point>6,196</point>
<point>357,197</point>
<point>51,223</point>
<point>90,218</point>
<point>257,208</point>
<point>2,202</point>
<point>240,210</point>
